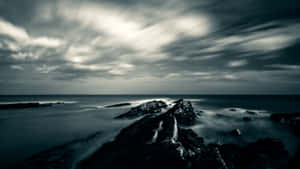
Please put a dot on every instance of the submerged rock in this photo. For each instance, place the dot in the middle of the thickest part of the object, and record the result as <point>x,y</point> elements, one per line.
<point>151,107</point>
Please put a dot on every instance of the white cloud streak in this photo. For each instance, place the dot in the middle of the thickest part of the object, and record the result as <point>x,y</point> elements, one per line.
<point>237,63</point>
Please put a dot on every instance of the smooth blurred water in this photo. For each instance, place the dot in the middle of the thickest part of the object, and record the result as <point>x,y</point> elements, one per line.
<point>24,132</point>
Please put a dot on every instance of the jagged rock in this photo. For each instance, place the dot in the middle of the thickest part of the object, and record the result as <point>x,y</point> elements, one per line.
<point>23,105</point>
<point>184,112</point>
<point>151,107</point>
<point>251,112</point>
<point>236,132</point>
<point>159,141</point>
<point>118,105</point>
<point>155,141</point>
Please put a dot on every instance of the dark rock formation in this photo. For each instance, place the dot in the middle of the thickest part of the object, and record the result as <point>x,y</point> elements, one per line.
<point>152,107</point>
<point>159,141</point>
<point>23,105</point>
<point>251,112</point>
<point>236,132</point>
<point>118,105</point>
<point>155,141</point>
<point>247,118</point>
<point>184,112</point>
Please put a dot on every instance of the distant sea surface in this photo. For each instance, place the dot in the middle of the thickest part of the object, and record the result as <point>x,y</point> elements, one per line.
<point>25,132</point>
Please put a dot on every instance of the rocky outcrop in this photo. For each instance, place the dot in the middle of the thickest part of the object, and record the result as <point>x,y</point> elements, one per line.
<point>159,141</point>
<point>24,105</point>
<point>118,105</point>
<point>152,107</point>
<point>247,118</point>
<point>236,132</point>
<point>155,141</point>
<point>184,112</point>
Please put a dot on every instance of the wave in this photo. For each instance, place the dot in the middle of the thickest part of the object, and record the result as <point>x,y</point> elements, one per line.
<point>195,100</point>
<point>134,103</point>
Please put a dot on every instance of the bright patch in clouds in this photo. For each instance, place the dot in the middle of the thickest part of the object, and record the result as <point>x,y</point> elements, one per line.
<point>80,53</point>
<point>129,29</point>
<point>237,63</point>
<point>22,38</point>
<point>46,69</point>
<point>8,29</point>
<point>47,42</point>
<point>17,67</point>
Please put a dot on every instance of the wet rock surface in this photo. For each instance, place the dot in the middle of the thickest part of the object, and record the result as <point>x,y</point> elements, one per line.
<point>184,112</point>
<point>160,141</point>
<point>155,141</point>
<point>236,132</point>
<point>152,107</point>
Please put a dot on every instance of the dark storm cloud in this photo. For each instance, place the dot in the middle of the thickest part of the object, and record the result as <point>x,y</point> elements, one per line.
<point>218,43</point>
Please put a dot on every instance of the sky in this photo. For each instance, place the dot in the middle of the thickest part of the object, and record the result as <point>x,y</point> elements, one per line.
<point>149,47</point>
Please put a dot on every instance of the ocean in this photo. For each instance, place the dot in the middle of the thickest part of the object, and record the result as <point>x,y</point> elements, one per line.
<point>82,124</point>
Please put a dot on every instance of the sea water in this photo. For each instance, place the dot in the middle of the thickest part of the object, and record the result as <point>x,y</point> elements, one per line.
<point>26,132</point>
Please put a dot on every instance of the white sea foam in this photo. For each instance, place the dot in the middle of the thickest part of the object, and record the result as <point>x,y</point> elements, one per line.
<point>134,103</point>
<point>237,111</point>
<point>195,100</point>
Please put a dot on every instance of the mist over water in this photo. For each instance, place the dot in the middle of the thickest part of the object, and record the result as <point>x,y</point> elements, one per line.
<point>74,123</point>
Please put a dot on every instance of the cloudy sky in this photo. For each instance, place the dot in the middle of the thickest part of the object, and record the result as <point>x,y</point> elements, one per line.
<point>149,47</point>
